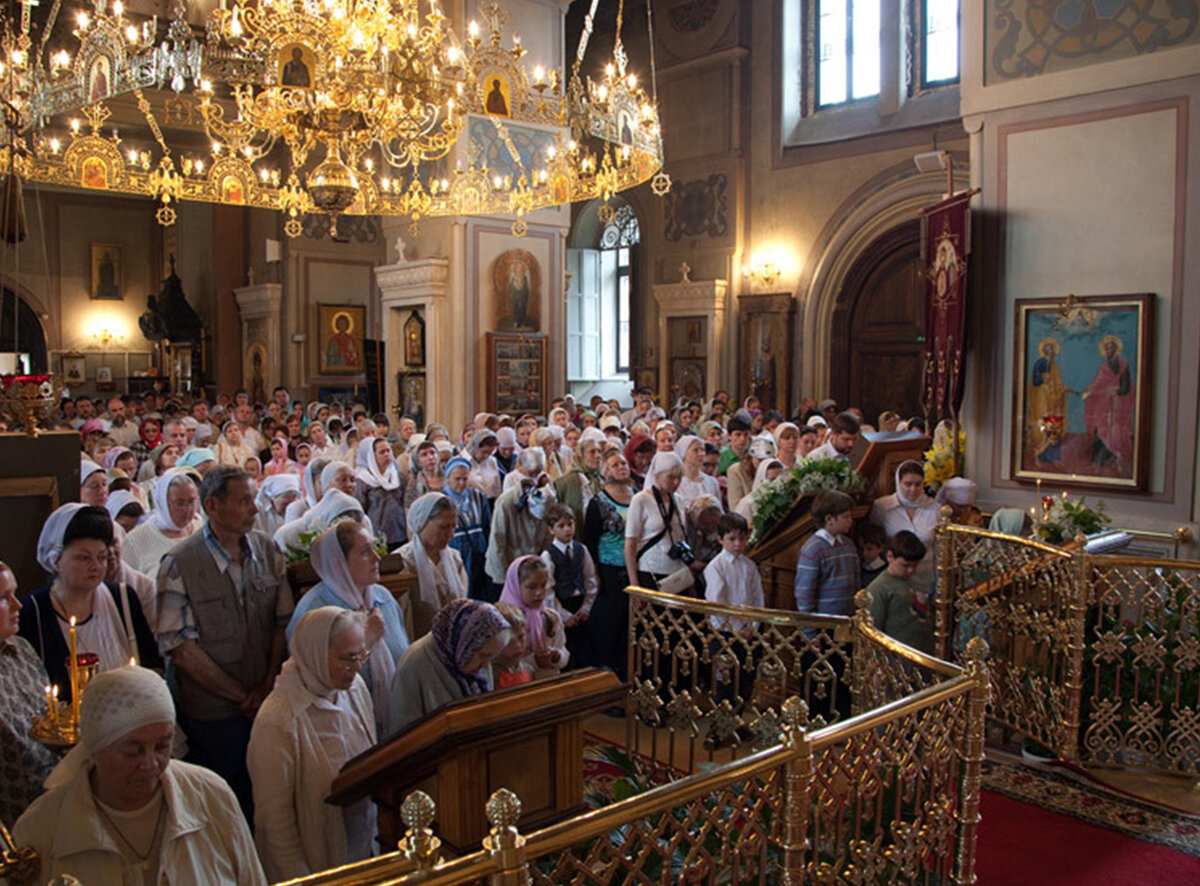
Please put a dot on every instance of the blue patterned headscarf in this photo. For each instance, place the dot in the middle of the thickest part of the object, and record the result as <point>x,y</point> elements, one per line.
<point>460,629</point>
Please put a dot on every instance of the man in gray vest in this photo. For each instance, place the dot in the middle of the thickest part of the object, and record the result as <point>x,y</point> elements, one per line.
<point>224,602</point>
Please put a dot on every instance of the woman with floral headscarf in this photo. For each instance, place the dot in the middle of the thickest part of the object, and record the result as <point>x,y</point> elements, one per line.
<point>438,567</point>
<point>473,527</point>
<point>379,485</point>
<point>450,662</point>
<point>316,718</point>
<point>73,547</point>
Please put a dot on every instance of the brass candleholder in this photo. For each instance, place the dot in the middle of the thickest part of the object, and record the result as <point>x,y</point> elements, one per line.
<point>58,728</point>
<point>28,399</point>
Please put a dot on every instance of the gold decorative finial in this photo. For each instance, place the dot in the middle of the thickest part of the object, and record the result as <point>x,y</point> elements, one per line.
<point>977,649</point>
<point>795,713</point>
<point>418,810</point>
<point>503,809</point>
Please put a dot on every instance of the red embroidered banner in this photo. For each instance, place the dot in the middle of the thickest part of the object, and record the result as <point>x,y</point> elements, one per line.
<point>945,244</point>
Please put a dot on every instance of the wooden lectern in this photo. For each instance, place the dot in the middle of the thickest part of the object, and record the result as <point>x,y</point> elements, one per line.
<point>877,457</point>
<point>528,739</point>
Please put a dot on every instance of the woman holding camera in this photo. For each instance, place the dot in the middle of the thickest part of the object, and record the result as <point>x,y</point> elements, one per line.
<point>656,547</point>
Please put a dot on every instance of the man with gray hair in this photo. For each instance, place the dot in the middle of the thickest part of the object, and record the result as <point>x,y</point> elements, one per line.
<point>224,602</point>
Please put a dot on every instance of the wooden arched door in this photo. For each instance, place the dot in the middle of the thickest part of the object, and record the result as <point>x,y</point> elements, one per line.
<point>878,340</point>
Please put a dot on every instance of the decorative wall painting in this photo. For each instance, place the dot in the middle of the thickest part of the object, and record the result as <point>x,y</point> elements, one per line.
<point>107,271</point>
<point>1082,394</point>
<point>517,291</point>
<point>412,396</point>
<point>73,368</point>
<point>414,339</point>
<point>516,366</point>
<point>340,337</point>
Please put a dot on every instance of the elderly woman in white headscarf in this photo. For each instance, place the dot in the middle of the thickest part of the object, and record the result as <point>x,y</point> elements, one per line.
<point>379,485</point>
<point>317,717</point>
<point>959,494</point>
<point>118,809</point>
<point>345,559</point>
<point>310,488</point>
<point>93,483</point>
<point>337,501</point>
<point>741,475</point>
<point>655,523</point>
<point>910,508</point>
<point>549,439</point>
<point>110,623</point>
<point>274,495</point>
<point>441,576</point>
<point>175,517</point>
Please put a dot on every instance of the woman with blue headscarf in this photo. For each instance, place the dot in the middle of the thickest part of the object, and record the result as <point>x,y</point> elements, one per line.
<point>473,527</point>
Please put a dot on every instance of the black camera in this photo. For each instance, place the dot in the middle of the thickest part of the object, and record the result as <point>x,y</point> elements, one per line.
<point>681,550</point>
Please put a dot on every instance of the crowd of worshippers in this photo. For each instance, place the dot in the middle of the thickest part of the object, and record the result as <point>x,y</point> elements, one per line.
<point>522,534</point>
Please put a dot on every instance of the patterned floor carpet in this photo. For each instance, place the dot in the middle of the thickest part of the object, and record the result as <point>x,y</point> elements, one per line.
<point>1066,793</point>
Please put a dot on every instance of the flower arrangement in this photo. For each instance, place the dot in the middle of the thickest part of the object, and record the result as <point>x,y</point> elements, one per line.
<point>1063,519</point>
<point>940,461</point>
<point>774,499</point>
<point>302,552</point>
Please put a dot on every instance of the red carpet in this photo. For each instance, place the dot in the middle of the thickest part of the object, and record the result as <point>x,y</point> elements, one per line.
<point>1022,845</point>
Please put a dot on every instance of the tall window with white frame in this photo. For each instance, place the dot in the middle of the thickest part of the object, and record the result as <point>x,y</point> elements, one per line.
<point>598,301</point>
<point>849,35</point>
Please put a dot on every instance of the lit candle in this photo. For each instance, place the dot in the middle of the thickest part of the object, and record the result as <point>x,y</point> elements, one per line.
<point>1064,495</point>
<point>74,676</point>
<point>1039,487</point>
<point>129,635</point>
<point>48,699</point>
<point>54,704</point>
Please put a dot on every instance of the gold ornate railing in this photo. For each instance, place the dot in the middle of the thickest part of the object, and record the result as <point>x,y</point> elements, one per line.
<point>1096,657</point>
<point>887,793</point>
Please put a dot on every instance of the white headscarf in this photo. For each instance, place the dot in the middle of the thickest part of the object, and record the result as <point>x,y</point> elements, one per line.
<point>506,438</point>
<point>116,703</point>
<point>684,443</point>
<point>87,467</point>
<point>328,473</point>
<point>763,446</point>
<point>162,511</point>
<point>50,546</point>
<point>760,475</point>
<point>333,504</point>
<point>368,468</point>
<point>274,486</point>
<point>957,491</point>
<point>310,481</point>
<point>663,462</point>
<point>121,499</point>
<point>780,428</point>
<point>329,562</point>
<point>305,676</point>
<point>418,516</point>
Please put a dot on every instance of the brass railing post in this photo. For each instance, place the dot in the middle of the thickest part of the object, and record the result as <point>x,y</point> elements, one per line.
<point>859,665</point>
<point>798,790</point>
<point>944,553</point>
<point>505,845</point>
<point>972,755</point>
<point>1080,598</point>
<point>420,846</point>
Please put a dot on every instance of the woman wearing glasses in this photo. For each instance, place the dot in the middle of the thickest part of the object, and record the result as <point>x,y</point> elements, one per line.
<point>317,717</point>
<point>345,559</point>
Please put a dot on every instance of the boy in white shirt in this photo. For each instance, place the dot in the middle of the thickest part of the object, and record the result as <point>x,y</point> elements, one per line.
<point>733,580</point>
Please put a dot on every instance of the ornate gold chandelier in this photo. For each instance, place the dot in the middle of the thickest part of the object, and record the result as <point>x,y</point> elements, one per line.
<point>331,106</point>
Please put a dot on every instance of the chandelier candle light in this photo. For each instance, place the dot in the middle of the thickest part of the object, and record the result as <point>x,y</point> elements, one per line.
<point>323,106</point>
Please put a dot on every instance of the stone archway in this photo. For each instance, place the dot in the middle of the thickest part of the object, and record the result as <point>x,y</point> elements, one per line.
<point>886,202</point>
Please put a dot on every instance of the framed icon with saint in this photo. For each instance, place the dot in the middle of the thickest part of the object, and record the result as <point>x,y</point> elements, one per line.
<point>340,342</point>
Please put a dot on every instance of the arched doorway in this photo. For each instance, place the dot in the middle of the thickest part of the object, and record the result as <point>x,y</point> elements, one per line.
<point>21,330</point>
<point>878,351</point>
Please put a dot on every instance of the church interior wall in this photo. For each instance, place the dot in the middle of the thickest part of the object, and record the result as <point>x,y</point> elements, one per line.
<point>1086,190</point>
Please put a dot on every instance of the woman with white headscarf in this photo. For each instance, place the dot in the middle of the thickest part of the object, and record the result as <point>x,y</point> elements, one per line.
<point>337,502</point>
<point>231,448</point>
<point>93,483</point>
<point>695,482</point>
<point>959,494</point>
<point>274,495</point>
<point>768,469</point>
<point>310,488</point>
<point>317,717</point>
<point>473,527</point>
<point>379,485</point>
<point>485,472</point>
<point>910,508</point>
<point>176,516</point>
<point>125,508</point>
<point>741,475</point>
<point>655,523</point>
<point>549,439</point>
<point>441,576</point>
<point>109,621</point>
<point>118,809</point>
<point>345,559</point>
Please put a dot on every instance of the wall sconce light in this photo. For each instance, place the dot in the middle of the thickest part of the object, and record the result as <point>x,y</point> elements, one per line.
<point>105,332</point>
<point>764,273</point>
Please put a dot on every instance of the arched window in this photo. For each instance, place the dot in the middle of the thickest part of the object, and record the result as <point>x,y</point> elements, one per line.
<point>601,262</point>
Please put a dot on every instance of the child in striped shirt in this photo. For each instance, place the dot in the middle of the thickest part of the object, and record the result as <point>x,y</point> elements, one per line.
<point>827,570</point>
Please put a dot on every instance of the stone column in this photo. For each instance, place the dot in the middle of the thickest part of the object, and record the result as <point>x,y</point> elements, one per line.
<point>258,305</point>
<point>422,285</point>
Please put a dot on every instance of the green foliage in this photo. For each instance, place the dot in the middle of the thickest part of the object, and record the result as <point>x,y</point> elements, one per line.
<point>774,499</point>
<point>301,553</point>
<point>1069,518</point>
